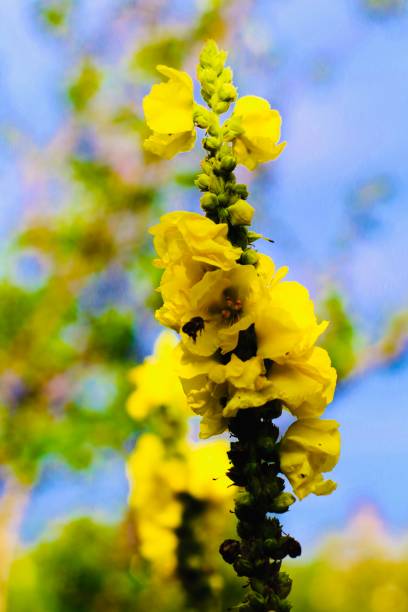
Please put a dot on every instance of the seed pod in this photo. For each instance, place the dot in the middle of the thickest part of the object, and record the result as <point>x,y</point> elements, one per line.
<point>229,550</point>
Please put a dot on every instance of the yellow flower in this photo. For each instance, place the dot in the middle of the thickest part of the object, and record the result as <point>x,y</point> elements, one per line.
<point>261,126</point>
<point>188,245</point>
<point>304,385</point>
<point>208,384</point>
<point>286,324</point>
<point>193,240</point>
<point>149,395</point>
<point>308,448</point>
<point>205,398</point>
<point>225,302</point>
<point>168,110</point>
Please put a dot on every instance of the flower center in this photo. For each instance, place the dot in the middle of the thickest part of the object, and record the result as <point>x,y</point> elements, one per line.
<point>231,308</point>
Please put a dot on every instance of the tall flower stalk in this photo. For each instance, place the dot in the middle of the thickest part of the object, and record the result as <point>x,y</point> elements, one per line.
<point>247,337</point>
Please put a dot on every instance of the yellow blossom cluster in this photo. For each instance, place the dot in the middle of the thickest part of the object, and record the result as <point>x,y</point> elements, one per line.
<point>169,112</point>
<point>158,472</point>
<point>157,481</point>
<point>217,305</point>
<point>248,336</point>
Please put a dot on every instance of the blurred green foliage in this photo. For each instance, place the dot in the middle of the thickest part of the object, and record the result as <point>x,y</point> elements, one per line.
<point>87,568</point>
<point>85,86</point>
<point>95,567</point>
<point>340,339</point>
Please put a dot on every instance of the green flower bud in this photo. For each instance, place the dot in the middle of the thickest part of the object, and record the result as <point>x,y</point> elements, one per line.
<point>227,92</point>
<point>223,199</point>
<point>218,64</point>
<point>249,256</point>
<point>228,163</point>
<point>223,215</point>
<point>214,129</point>
<point>271,546</point>
<point>202,181</point>
<point>208,75</point>
<point>216,185</point>
<point>257,601</point>
<point>206,166</point>
<point>209,201</point>
<point>226,75</point>
<point>221,107</point>
<point>243,567</point>
<point>211,143</point>
<point>232,128</point>
<point>244,506</point>
<point>241,190</point>
<point>282,502</point>
<point>201,116</point>
<point>241,213</point>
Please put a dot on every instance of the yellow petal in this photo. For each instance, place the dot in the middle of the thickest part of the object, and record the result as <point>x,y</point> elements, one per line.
<point>169,145</point>
<point>168,108</point>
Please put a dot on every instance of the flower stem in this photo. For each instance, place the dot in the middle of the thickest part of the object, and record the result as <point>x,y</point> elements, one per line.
<point>262,546</point>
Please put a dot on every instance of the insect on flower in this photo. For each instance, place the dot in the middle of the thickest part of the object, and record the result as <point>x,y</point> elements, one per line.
<point>193,327</point>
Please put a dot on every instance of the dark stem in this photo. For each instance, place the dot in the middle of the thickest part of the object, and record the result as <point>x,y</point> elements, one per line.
<point>192,572</point>
<point>262,546</point>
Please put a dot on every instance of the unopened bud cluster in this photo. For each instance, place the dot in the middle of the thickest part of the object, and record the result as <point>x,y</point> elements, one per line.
<point>223,199</point>
<point>217,88</point>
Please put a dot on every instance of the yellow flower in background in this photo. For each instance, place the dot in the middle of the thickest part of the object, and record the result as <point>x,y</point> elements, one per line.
<point>207,467</point>
<point>309,448</point>
<point>261,128</point>
<point>168,110</point>
<point>154,482</point>
<point>156,381</point>
<point>157,479</point>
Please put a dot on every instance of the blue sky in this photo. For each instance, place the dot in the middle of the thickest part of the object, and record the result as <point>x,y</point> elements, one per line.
<point>339,78</point>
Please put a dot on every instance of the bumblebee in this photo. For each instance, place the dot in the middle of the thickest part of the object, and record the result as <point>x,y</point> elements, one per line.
<point>193,327</point>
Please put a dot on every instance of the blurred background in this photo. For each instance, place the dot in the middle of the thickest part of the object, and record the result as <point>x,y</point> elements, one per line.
<point>77,287</point>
